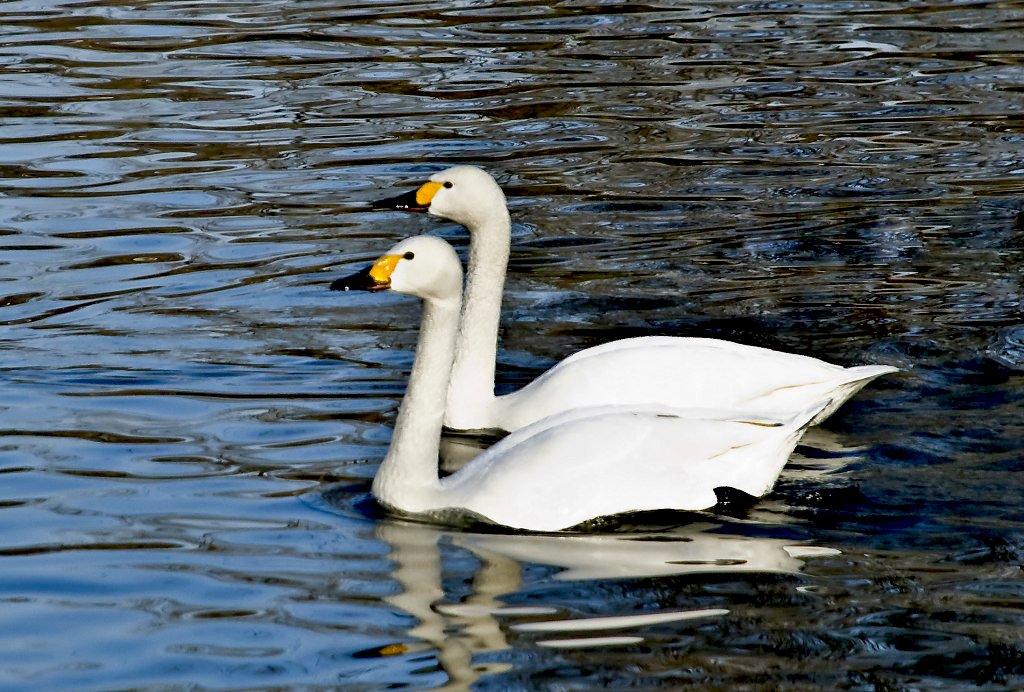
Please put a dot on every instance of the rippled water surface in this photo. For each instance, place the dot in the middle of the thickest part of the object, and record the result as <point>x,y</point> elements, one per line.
<point>190,420</point>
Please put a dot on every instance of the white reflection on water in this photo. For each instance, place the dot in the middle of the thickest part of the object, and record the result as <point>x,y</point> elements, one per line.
<point>459,631</point>
<point>650,555</point>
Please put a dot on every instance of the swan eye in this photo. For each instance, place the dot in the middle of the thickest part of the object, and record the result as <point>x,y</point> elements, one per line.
<point>449,184</point>
<point>408,256</point>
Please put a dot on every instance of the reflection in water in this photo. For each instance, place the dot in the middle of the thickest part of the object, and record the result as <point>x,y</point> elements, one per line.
<point>649,555</point>
<point>455,635</point>
<point>455,632</point>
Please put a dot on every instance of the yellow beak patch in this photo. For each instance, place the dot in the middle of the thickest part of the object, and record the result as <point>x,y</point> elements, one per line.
<point>426,193</point>
<point>382,268</point>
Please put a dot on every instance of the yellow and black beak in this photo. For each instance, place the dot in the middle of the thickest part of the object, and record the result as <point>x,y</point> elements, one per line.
<point>417,200</point>
<point>373,279</point>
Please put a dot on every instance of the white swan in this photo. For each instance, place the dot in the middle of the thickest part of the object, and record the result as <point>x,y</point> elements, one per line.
<point>671,371</point>
<point>565,469</point>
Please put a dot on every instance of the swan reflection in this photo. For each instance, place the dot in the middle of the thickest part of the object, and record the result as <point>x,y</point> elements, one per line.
<point>480,623</point>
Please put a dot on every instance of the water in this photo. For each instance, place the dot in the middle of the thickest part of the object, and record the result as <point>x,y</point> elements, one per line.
<point>190,419</point>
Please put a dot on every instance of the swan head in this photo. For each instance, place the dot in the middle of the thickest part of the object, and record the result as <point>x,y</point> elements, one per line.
<point>466,195</point>
<point>423,266</point>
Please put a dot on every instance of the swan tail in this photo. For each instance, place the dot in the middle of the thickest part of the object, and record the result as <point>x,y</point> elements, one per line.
<point>759,477</point>
<point>866,373</point>
<point>805,419</point>
<point>856,379</point>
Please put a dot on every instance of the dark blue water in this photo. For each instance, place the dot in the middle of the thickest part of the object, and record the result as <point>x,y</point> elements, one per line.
<point>190,419</point>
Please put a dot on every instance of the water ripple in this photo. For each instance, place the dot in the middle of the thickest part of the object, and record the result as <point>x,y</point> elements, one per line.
<point>180,180</point>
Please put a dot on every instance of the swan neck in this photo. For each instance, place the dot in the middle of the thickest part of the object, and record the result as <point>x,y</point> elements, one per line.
<point>471,392</point>
<point>407,479</point>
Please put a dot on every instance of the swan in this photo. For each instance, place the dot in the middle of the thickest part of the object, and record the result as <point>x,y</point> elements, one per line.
<point>565,469</point>
<point>663,370</point>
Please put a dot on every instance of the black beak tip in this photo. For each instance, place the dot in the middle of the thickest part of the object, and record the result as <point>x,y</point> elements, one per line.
<point>403,202</point>
<point>360,281</point>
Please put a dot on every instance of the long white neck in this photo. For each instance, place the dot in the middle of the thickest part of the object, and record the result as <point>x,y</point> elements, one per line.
<point>407,479</point>
<point>471,391</point>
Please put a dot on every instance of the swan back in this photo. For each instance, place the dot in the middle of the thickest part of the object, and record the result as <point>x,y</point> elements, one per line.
<point>550,477</point>
<point>685,372</point>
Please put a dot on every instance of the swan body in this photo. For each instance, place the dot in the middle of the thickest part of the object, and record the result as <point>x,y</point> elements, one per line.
<point>667,371</point>
<point>568,468</point>
<point>615,460</point>
<point>682,371</point>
